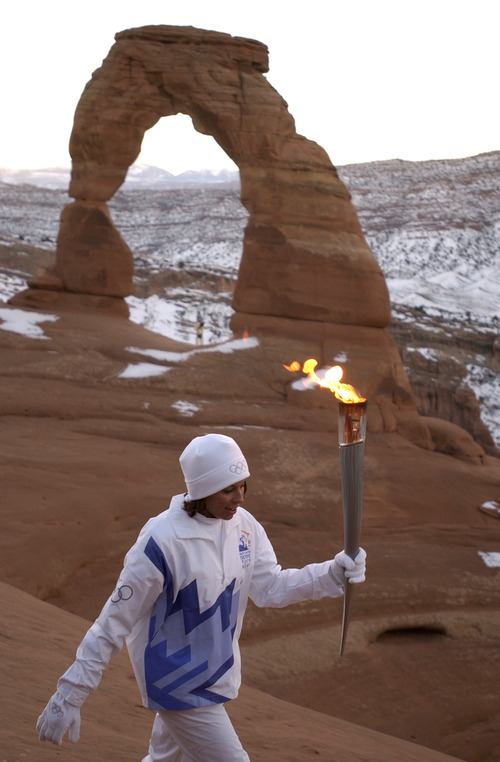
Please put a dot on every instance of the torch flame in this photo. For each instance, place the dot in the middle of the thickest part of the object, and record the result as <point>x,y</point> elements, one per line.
<point>331,380</point>
<point>293,367</point>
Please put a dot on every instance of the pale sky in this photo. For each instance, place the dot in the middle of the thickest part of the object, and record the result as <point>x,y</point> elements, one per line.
<point>366,79</point>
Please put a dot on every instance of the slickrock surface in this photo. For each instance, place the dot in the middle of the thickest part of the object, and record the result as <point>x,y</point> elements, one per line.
<point>86,456</point>
<point>116,727</point>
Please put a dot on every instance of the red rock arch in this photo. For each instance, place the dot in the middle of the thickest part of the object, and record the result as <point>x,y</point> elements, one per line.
<point>304,254</point>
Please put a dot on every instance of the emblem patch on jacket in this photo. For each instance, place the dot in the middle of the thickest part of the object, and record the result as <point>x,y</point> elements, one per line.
<point>244,548</point>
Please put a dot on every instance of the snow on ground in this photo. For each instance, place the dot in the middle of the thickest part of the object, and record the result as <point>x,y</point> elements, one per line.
<point>486,386</point>
<point>457,295</point>
<point>175,315</point>
<point>186,408</point>
<point>490,558</point>
<point>10,285</point>
<point>146,369</point>
<point>143,370</point>
<point>24,322</point>
<point>176,357</point>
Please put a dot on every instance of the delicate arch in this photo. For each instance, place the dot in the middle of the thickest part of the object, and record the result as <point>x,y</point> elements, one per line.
<point>304,254</point>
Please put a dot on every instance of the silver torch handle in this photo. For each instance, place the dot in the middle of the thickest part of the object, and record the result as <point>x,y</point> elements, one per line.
<point>352,429</point>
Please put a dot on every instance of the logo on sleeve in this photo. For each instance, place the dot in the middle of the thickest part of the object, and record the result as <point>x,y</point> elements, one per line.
<point>122,593</point>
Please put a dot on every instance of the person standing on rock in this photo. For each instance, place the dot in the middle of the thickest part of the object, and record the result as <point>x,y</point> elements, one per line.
<point>179,604</point>
<point>199,328</point>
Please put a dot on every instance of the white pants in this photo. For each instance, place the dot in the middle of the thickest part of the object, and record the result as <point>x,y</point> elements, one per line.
<point>204,734</point>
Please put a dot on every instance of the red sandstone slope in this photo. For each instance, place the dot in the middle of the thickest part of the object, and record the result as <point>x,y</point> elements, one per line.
<point>38,642</point>
<point>86,457</point>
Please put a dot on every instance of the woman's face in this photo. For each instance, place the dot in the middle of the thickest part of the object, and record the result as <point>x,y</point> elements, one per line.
<point>224,504</point>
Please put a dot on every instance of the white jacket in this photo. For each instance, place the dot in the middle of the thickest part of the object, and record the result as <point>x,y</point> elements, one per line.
<point>180,602</point>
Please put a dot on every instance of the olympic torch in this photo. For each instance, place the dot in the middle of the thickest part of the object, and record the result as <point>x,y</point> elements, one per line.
<point>352,433</point>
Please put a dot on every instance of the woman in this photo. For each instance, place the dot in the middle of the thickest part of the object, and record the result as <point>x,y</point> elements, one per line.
<point>179,604</point>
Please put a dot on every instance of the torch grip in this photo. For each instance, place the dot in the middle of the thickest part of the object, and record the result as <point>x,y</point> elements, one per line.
<point>352,472</point>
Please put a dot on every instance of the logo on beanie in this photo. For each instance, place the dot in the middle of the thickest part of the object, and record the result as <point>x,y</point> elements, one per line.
<point>238,467</point>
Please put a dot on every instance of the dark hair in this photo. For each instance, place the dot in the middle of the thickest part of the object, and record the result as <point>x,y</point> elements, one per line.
<point>192,507</point>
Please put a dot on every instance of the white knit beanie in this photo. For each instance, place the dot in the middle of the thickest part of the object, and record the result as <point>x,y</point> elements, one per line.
<point>211,463</point>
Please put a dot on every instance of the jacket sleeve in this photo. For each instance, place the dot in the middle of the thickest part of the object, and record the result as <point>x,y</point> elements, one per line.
<point>138,587</point>
<point>273,586</point>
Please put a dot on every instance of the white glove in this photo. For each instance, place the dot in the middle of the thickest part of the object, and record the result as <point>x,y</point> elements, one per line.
<point>344,567</point>
<point>57,717</point>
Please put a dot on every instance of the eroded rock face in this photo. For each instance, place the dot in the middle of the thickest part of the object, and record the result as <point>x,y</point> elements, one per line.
<point>307,273</point>
<point>92,257</point>
<point>436,361</point>
<point>304,254</point>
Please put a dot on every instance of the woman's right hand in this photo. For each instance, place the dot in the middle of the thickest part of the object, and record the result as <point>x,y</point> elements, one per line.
<point>58,717</point>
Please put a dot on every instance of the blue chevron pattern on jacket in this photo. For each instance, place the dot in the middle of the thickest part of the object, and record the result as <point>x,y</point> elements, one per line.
<point>188,650</point>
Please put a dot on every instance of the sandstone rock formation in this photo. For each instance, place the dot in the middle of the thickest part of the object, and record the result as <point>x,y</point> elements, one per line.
<point>304,254</point>
<point>307,273</point>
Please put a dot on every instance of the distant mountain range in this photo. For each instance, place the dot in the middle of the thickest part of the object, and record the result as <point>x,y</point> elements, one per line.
<point>139,177</point>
